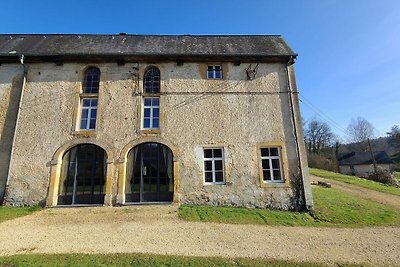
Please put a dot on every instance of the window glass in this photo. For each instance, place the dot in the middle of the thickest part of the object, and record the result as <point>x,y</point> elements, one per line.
<point>91,81</point>
<point>152,80</point>
<point>214,72</point>
<point>271,164</point>
<point>213,165</point>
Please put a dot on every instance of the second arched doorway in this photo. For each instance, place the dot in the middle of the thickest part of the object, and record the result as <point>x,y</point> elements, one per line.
<point>149,174</point>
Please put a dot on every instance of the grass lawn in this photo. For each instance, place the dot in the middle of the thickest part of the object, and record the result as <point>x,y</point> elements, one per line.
<point>332,208</point>
<point>139,260</point>
<point>356,181</point>
<point>9,213</point>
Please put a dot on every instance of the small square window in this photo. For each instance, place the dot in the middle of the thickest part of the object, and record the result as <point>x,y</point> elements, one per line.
<point>214,72</point>
<point>271,164</point>
<point>213,166</point>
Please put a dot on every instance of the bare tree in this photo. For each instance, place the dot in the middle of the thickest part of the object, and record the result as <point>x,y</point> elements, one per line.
<point>359,131</point>
<point>318,136</point>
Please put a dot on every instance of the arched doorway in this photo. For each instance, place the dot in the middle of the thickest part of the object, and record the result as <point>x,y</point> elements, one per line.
<point>83,176</point>
<point>150,174</point>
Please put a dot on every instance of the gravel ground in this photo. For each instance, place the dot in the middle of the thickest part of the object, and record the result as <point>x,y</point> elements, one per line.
<point>380,197</point>
<point>157,229</point>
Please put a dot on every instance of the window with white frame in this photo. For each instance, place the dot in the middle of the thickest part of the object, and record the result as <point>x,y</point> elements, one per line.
<point>214,72</point>
<point>214,166</point>
<point>151,113</point>
<point>271,162</point>
<point>88,113</point>
<point>151,99</point>
<point>89,99</point>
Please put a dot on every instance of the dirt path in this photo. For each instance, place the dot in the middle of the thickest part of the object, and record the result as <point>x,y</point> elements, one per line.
<point>157,229</point>
<point>380,197</point>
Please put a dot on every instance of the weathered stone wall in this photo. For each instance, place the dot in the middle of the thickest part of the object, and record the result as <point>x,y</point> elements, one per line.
<point>10,91</point>
<point>237,115</point>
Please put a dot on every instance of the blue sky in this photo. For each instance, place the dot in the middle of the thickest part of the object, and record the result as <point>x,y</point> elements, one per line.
<point>349,51</point>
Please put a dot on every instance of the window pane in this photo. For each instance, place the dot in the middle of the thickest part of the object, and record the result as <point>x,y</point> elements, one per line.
<point>219,176</point>
<point>265,164</point>
<point>209,68</point>
<point>218,165</point>
<point>83,124</point>
<point>264,152</point>
<point>274,151</point>
<point>267,175</point>
<point>86,102</point>
<point>156,123</point>
<point>92,124</point>
<point>93,113</point>
<point>217,153</point>
<point>207,153</point>
<point>275,164</point>
<point>277,175</point>
<point>146,113</point>
<point>208,177</point>
<point>147,101</point>
<point>85,113</point>
<point>94,102</point>
<point>156,112</point>
<point>210,74</point>
<point>146,123</point>
<point>218,75</point>
<point>208,165</point>
<point>156,101</point>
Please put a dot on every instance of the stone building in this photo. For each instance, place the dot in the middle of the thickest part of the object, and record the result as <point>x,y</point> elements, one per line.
<point>123,119</point>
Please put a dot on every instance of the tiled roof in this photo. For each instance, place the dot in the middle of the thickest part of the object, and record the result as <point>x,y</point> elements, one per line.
<point>360,158</point>
<point>141,46</point>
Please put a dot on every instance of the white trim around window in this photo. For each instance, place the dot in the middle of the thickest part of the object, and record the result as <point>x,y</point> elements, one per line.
<point>213,166</point>
<point>88,114</point>
<point>151,113</point>
<point>214,72</point>
<point>271,164</point>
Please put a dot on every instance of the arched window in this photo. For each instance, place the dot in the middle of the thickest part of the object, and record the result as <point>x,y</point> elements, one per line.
<point>152,81</point>
<point>91,81</point>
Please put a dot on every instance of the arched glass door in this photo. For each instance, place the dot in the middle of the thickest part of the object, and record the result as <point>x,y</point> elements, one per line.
<point>150,174</point>
<point>83,173</point>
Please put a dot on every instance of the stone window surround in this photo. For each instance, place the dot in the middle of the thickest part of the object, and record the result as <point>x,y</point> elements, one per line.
<point>78,106</point>
<point>283,161</point>
<point>140,125</point>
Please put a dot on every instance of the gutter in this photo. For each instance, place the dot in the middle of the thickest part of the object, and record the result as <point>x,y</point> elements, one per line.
<point>295,133</point>
<point>25,73</point>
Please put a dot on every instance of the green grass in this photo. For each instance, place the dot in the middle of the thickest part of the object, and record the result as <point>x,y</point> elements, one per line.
<point>332,208</point>
<point>356,181</point>
<point>140,260</point>
<point>9,213</point>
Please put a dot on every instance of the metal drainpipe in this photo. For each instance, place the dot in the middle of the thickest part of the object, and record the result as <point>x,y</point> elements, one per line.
<point>22,57</point>
<point>295,130</point>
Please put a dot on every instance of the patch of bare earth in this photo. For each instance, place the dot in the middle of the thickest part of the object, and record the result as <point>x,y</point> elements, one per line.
<point>380,197</point>
<point>158,230</point>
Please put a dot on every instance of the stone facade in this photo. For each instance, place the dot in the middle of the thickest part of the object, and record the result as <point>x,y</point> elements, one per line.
<point>233,113</point>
